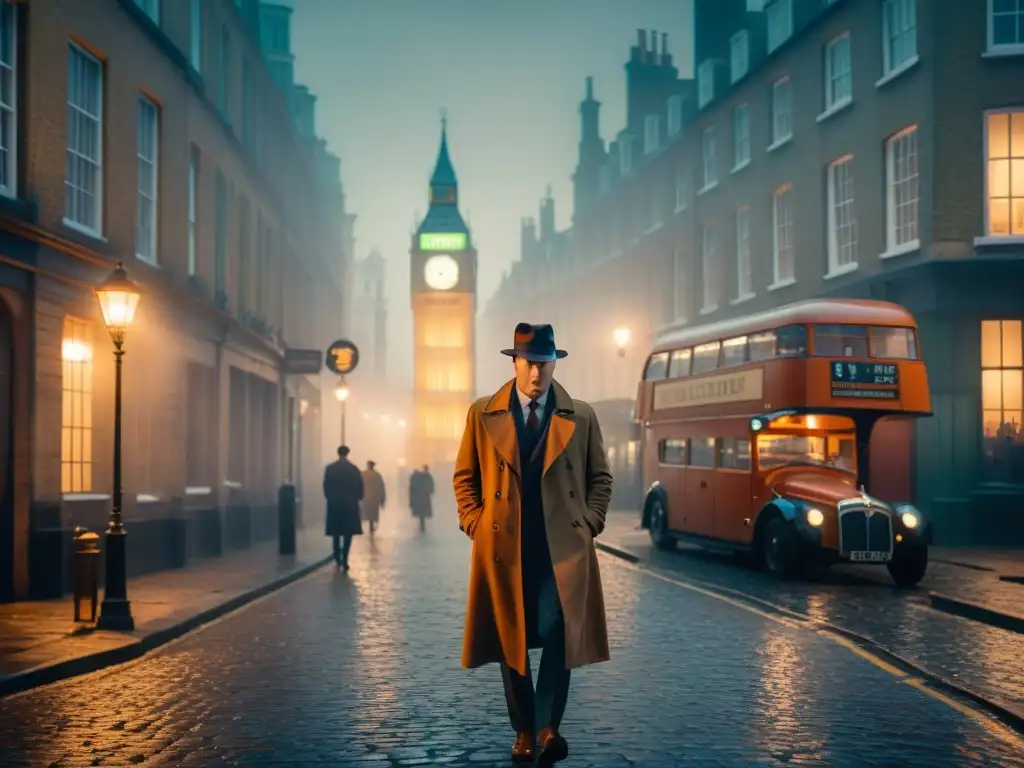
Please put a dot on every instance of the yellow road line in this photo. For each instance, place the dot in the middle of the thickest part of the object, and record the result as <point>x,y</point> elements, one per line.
<point>983,719</point>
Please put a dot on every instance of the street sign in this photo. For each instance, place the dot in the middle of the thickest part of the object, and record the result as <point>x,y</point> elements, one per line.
<point>303,361</point>
<point>342,357</point>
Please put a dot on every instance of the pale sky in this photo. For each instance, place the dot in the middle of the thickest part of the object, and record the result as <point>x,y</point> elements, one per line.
<point>510,74</point>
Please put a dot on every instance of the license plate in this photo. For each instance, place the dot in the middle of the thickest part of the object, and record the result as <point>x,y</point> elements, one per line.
<point>869,557</point>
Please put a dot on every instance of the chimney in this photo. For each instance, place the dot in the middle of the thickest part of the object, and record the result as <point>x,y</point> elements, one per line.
<point>590,87</point>
<point>666,59</point>
<point>641,40</point>
<point>654,46</point>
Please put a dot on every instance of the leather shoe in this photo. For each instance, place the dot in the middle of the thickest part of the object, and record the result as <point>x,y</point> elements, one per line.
<point>551,748</point>
<point>522,748</point>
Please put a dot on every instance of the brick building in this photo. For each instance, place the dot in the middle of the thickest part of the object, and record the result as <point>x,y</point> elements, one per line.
<point>169,136</point>
<point>859,148</point>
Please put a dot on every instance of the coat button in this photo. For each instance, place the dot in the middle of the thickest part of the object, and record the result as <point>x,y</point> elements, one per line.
<point>495,526</point>
<point>497,495</point>
<point>497,558</point>
<point>572,495</point>
<point>501,466</point>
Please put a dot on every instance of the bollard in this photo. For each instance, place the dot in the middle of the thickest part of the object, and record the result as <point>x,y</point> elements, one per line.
<point>286,520</point>
<point>87,561</point>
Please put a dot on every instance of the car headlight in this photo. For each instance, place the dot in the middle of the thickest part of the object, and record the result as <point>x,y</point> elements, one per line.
<point>910,519</point>
<point>815,517</point>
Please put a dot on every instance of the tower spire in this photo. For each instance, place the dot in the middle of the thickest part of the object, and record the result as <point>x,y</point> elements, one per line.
<point>444,173</point>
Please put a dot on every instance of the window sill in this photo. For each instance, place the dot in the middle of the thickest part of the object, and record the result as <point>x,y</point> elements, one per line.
<point>840,271</point>
<point>895,72</point>
<point>147,498</point>
<point>681,208</point>
<point>900,250</point>
<point>653,228</point>
<point>778,144</point>
<point>742,298</point>
<point>709,310</point>
<point>707,187</point>
<point>1002,51</point>
<point>85,496</point>
<point>740,166</point>
<point>147,260</point>
<point>999,240</point>
<point>82,230</point>
<point>835,109</point>
<point>778,284</point>
<point>198,491</point>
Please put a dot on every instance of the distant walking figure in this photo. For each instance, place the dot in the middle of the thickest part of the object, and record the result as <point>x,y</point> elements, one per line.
<point>373,495</point>
<point>343,489</point>
<point>421,488</point>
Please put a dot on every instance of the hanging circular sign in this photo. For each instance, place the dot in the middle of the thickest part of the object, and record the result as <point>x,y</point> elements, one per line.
<point>342,357</point>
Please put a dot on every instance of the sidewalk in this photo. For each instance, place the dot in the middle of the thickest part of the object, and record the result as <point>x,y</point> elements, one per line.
<point>40,642</point>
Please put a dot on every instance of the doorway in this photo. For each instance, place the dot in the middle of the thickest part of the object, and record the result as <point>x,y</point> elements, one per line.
<point>6,455</point>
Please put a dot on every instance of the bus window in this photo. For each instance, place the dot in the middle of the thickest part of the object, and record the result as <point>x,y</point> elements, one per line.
<point>657,367</point>
<point>841,340</point>
<point>792,340</point>
<point>734,351</point>
<point>761,346</point>
<point>702,452</point>
<point>896,343</point>
<point>705,357</point>
<point>672,452</point>
<point>679,364</point>
<point>734,453</point>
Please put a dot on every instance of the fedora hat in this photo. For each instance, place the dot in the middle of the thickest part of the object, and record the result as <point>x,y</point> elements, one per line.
<point>535,343</point>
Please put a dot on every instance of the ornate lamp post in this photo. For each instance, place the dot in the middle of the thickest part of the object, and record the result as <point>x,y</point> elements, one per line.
<point>341,392</point>
<point>119,298</point>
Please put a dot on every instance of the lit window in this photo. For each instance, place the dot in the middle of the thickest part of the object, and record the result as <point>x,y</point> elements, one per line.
<point>1006,26</point>
<point>782,242</point>
<point>741,135</point>
<point>76,462</point>
<point>842,216</point>
<point>744,276</point>
<point>899,33</point>
<point>147,138</point>
<point>780,22</point>
<point>707,153</point>
<point>443,333</point>
<point>1002,395</point>
<point>1005,177</point>
<point>83,204</point>
<point>8,100</point>
<point>782,110</point>
<point>739,54</point>
<point>901,189</point>
<point>838,77</point>
<point>708,277</point>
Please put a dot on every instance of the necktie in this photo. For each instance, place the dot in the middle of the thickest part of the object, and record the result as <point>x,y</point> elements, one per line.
<point>531,420</point>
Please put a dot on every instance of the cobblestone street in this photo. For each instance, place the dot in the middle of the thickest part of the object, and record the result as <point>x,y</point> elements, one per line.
<point>363,669</point>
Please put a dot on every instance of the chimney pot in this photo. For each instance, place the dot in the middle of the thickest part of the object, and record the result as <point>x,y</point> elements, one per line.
<point>590,87</point>
<point>641,40</point>
<point>654,42</point>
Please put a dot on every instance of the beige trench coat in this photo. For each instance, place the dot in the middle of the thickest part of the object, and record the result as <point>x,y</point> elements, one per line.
<point>576,489</point>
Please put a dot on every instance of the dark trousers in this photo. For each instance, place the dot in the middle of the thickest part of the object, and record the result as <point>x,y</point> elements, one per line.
<point>530,710</point>
<point>342,544</point>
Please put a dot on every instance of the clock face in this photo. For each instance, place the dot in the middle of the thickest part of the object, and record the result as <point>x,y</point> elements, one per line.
<point>441,272</point>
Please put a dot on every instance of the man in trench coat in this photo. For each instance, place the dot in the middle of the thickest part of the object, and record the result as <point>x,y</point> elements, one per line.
<point>343,490</point>
<point>533,487</point>
<point>374,495</point>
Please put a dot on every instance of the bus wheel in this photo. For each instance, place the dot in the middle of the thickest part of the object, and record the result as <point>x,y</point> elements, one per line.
<point>778,548</point>
<point>657,524</point>
<point>908,566</point>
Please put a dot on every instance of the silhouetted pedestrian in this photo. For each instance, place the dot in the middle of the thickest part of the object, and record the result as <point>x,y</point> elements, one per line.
<point>374,495</point>
<point>421,489</point>
<point>343,489</point>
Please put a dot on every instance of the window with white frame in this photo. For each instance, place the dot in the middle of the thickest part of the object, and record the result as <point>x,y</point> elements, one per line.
<point>8,100</point>
<point>842,216</point>
<point>1006,26</point>
<point>193,210</point>
<point>680,284</point>
<point>1004,138</point>
<point>625,154</point>
<point>675,115</point>
<point>838,77</point>
<point>782,110</point>
<point>901,189</point>
<point>899,33</point>
<point>652,134</point>
<point>707,153</point>
<point>705,82</point>
<point>1002,398</point>
<point>76,460</point>
<point>83,186</point>
<point>780,22</point>
<point>147,143</point>
<point>739,55</point>
<point>741,135</point>
<point>744,272</point>
<point>151,8</point>
<point>682,187</point>
<point>707,264</point>
<point>783,266</point>
<point>195,35</point>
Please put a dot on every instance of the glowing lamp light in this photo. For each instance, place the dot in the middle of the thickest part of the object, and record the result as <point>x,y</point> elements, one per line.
<point>401,423</point>
<point>75,351</point>
<point>621,337</point>
<point>303,406</point>
<point>341,391</point>
<point>119,298</point>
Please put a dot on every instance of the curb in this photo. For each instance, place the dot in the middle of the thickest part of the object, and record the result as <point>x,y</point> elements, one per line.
<point>45,674</point>
<point>968,610</point>
<point>1003,711</point>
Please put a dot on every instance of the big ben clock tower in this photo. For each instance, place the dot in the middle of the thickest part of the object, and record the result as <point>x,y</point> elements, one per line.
<point>443,281</point>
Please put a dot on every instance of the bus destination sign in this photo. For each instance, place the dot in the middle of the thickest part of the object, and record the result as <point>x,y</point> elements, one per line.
<point>876,381</point>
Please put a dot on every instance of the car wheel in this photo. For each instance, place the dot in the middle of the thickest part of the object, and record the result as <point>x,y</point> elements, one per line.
<point>657,524</point>
<point>908,565</point>
<point>778,548</point>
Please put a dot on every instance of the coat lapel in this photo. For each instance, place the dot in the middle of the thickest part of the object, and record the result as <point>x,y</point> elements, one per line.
<point>561,426</point>
<point>500,425</point>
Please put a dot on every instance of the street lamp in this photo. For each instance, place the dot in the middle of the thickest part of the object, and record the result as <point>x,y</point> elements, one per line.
<point>621,337</point>
<point>119,298</point>
<point>341,392</point>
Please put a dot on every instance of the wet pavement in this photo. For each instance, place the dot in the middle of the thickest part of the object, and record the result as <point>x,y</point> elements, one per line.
<point>862,599</point>
<point>363,669</point>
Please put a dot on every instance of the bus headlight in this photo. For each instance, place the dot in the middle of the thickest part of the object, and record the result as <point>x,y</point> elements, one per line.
<point>910,519</point>
<point>815,517</point>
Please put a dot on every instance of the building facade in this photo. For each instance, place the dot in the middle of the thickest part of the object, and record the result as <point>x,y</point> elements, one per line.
<point>857,148</point>
<point>370,315</point>
<point>157,134</point>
